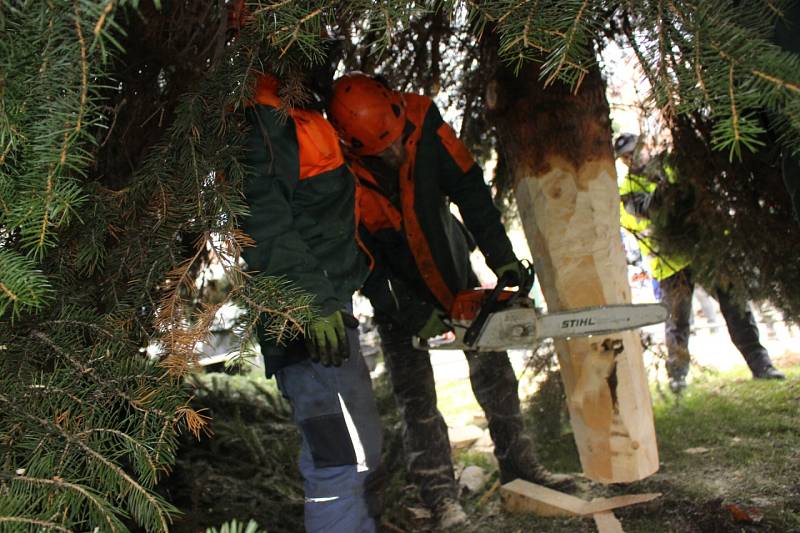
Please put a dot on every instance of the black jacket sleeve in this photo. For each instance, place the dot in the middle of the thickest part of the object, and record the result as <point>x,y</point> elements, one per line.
<point>272,158</point>
<point>463,183</point>
<point>391,298</point>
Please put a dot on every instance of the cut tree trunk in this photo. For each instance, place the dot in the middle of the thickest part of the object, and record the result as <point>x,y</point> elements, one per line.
<point>558,151</point>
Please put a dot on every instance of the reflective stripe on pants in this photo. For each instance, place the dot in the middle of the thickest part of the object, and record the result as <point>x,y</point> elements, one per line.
<point>334,408</point>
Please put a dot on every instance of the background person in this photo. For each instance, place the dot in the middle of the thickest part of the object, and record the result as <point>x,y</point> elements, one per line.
<point>639,193</point>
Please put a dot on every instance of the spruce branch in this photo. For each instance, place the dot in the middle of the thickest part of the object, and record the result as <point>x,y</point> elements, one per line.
<point>734,113</point>
<point>142,451</point>
<point>569,41</point>
<point>103,507</point>
<point>101,20</point>
<point>90,373</point>
<point>295,34</point>
<point>23,287</point>
<point>84,90</point>
<point>141,500</point>
<point>196,421</point>
<point>778,82</point>
<point>276,305</point>
<point>48,525</point>
<point>664,80</point>
<point>145,506</point>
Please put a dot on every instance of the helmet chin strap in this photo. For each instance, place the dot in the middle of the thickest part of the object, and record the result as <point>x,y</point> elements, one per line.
<point>395,154</point>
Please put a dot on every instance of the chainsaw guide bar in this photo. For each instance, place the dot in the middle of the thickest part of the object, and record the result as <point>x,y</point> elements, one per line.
<point>487,320</point>
<point>520,327</point>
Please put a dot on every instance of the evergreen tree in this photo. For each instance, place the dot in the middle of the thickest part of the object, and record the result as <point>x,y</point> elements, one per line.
<point>119,182</point>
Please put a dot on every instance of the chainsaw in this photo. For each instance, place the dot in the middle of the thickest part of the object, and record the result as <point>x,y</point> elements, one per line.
<point>499,319</point>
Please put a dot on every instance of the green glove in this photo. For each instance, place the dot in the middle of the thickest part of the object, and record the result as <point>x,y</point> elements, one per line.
<point>434,327</point>
<point>522,274</point>
<point>326,340</point>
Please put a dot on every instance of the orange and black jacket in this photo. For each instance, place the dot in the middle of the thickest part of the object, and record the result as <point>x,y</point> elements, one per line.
<point>421,250</point>
<point>301,199</point>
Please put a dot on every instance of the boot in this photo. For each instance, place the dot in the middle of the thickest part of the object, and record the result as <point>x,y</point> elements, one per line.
<point>449,513</point>
<point>496,389</point>
<point>768,372</point>
<point>677,385</point>
<point>536,473</point>
<point>677,369</point>
<point>520,462</point>
<point>762,368</point>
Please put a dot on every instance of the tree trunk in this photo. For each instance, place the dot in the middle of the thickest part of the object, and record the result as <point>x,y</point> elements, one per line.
<point>558,148</point>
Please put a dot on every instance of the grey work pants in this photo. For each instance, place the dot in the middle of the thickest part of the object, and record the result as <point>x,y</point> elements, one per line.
<point>340,457</point>
<point>427,445</point>
<point>677,296</point>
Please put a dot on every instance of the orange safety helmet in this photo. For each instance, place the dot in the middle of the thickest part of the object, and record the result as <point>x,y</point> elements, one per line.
<point>367,115</point>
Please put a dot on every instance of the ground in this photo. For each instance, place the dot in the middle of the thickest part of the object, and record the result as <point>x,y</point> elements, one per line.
<point>729,452</point>
<point>729,449</point>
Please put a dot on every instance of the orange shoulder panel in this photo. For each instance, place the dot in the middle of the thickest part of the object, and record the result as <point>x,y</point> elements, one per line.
<point>319,145</point>
<point>417,106</point>
<point>455,147</point>
<point>267,90</point>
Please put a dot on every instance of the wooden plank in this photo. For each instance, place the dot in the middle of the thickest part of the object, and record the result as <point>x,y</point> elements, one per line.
<point>600,505</point>
<point>464,437</point>
<point>606,522</point>
<point>521,496</point>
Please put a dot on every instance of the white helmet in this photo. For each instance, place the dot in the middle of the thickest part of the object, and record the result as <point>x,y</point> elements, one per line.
<point>625,143</point>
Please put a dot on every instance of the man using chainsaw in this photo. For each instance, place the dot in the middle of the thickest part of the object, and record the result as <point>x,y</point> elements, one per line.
<point>410,165</point>
<point>301,216</point>
<point>642,193</point>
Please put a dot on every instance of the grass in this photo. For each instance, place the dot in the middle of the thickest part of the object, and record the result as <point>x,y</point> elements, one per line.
<point>728,441</point>
<point>473,458</point>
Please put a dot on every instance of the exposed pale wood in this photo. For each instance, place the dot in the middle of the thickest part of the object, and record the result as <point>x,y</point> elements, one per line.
<point>556,142</point>
<point>606,522</point>
<point>522,496</point>
<point>600,505</point>
<point>570,216</point>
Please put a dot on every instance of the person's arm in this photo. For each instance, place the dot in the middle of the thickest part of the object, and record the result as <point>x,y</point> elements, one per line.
<point>391,297</point>
<point>461,178</point>
<point>637,194</point>
<point>273,166</point>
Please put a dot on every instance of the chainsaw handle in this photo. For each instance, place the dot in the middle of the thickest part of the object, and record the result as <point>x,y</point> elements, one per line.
<point>525,290</point>
<point>488,307</point>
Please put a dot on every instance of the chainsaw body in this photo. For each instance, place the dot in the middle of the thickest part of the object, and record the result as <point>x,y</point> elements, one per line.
<point>498,319</point>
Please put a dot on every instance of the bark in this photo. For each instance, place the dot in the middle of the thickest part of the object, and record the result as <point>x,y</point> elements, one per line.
<point>558,148</point>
